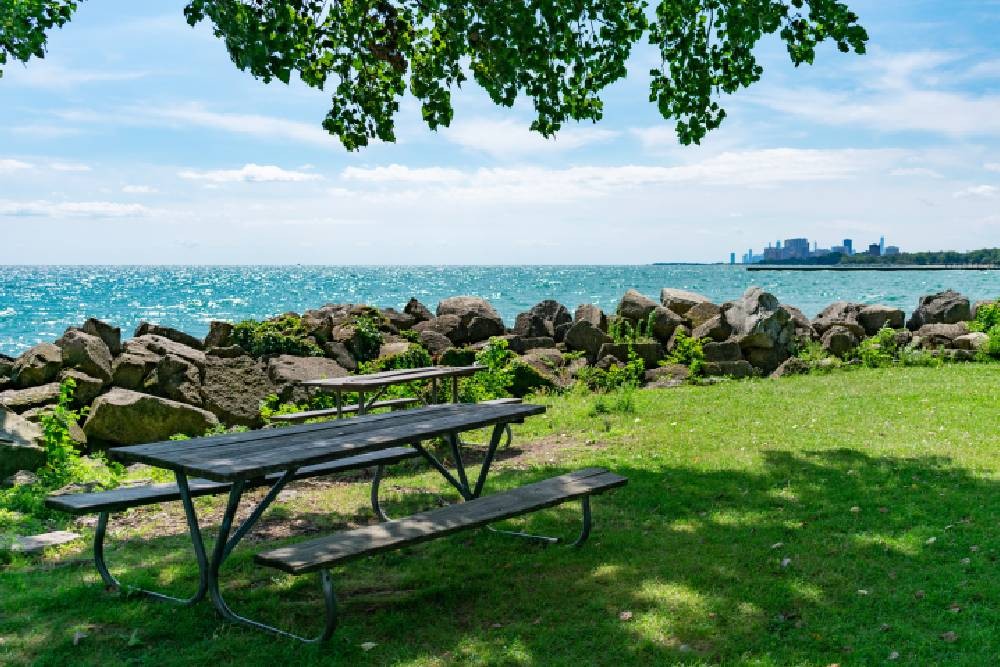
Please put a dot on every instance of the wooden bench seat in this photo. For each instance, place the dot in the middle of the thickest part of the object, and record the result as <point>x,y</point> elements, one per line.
<point>324,552</point>
<point>299,417</point>
<point>120,499</point>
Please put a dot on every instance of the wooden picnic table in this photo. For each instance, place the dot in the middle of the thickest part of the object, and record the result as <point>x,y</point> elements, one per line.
<point>377,383</point>
<point>243,459</point>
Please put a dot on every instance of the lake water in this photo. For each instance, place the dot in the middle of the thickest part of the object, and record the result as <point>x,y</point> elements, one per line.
<point>38,302</point>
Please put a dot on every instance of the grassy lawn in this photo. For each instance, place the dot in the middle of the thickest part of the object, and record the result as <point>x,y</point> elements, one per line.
<point>849,518</point>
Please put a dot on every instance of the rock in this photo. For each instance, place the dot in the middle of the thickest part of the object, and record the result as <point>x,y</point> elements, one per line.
<point>435,342</point>
<point>791,366</point>
<point>6,366</point>
<point>220,334</point>
<point>838,312</point>
<point>635,307</point>
<point>520,345</point>
<point>87,353</point>
<point>37,543</point>
<point>604,363</point>
<point>681,330</point>
<point>476,320</point>
<point>148,329</point>
<point>87,388</point>
<point>286,372</point>
<point>803,327</point>
<point>715,328</point>
<point>129,371</point>
<point>588,312</point>
<point>22,444</point>
<point>585,337</point>
<point>681,301</point>
<point>20,478</point>
<point>734,369</point>
<point>671,375</point>
<point>702,312</point>
<point>418,311</point>
<point>397,320</point>
<point>948,307</point>
<point>234,389</point>
<point>650,353</point>
<point>547,365</point>
<point>543,320</point>
<point>152,344</point>
<point>177,379</point>
<point>124,417</point>
<point>975,341</point>
<point>665,321</point>
<point>726,351</point>
<point>839,340</point>
<point>902,337</point>
<point>394,348</point>
<point>20,400</point>
<point>74,430</point>
<point>227,352</point>
<point>111,335</point>
<point>955,355</point>
<point>39,365</point>
<point>759,322</point>
<point>933,336</point>
<point>339,353</point>
<point>874,318</point>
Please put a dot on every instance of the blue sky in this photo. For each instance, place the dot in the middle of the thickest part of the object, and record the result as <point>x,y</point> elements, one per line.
<point>137,141</point>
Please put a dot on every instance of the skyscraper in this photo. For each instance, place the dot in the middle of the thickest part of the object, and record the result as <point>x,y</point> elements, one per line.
<point>881,245</point>
<point>732,258</point>
<point>849,244</point>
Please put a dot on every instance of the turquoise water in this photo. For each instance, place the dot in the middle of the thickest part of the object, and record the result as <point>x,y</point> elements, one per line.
<point>38,302</point>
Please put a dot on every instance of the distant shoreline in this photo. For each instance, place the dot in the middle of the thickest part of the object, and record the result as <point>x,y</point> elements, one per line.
<point>873,267</point>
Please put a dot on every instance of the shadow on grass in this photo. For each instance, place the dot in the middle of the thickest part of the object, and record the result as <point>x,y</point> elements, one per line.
<point>809,558</point>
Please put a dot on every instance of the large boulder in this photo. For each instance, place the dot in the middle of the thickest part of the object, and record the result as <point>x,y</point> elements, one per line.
<point>111,335</point>
<point>665,322</point>
<point>933,336</point>
<point>670,375</point>
<point>839,340</point>
<point>946,307</point>
<point>837,313</point>
<point>234,388</point>
<point>760,323</point>
<point>20,400</point>
<point>715,328</point>
<point>546,370</point>
<point>975,341</point>
<point>130,370</point>
<point>6,366</point>
<point>803,327</point>
<point>875,317</point>
<point>588,312</point>
<point>545,319</point>
<point>435,341</point>
<point>476,320</point>
<point>340,353</point>
<point>22,444</point>
<point>397,320</point>
<point>650,353</point>
<point>176,335</point>
<point>585,337</point>
<point>635,306</point>
<point>87,388</point>
<point>681,301</point>
<point>39,365</point>
<point>791,366</point>
<point>725,351</point>
<point>124,417</point>
<point>418,311</point>
<point>87,353</point>
<point>177,379</point>
<point>733,369</point>
<point>220,334</point>
<point>700,313</point>
<point>286,372</point>
<point>158,346</point>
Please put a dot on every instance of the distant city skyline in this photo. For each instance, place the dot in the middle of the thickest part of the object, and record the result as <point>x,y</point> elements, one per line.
<point>803,248</point>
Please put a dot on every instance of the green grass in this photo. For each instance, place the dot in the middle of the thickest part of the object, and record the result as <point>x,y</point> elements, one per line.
<point>841,518</point>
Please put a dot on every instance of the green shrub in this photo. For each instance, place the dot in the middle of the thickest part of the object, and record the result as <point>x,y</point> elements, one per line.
<point>497,376</point>
<point>620,401</point>
<point>455,356</point>
<point>416,356</point>
<point>367,338</point>
<point>689,352</point>
<point>622,332</point>
<point>993,344</point>
<point>880,350</point>
<point>411,335</point>
<point>615,377</point>
<point>285,335</point>
<point>987,317</point>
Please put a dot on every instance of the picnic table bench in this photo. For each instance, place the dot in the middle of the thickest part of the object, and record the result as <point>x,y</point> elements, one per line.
<point>235,462</point>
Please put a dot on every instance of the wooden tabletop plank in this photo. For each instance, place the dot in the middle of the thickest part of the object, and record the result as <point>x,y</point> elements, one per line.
<point>388,378</point>
<point>229,460</point>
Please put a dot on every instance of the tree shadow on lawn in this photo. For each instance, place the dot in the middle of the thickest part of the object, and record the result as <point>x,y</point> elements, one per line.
<point>811,558</point>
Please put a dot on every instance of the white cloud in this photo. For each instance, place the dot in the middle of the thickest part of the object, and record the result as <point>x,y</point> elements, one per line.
<point>511,138</point>
<point>984,191</point>
<point>13,165</point>
<point>266,127</point>
<point>49,75</point>
<point>915,171</point>
<point>69,166</point>
<point>139,189</point>
<point>44,131</point>
<point>250,173</point>
<point>83,209</point>
<point>992,166</point>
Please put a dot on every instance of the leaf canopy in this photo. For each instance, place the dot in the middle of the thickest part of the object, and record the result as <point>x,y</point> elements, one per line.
<point>560,54</point>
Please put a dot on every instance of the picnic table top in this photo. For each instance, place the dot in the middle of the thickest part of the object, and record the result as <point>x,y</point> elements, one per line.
<point>387,378</point>
<point>244,456</point>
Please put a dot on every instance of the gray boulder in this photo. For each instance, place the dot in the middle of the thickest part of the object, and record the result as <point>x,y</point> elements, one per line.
<point>397,320</point>
<point>585,337</point>
<point>635,306</point>
<point>974,341</point>
<point>6,366</point>
<point>87,388</point>
<point>726,351</point>
<point>700,313</point>
<point>545,319</point>
<point>177,379</point>
<point>87,353</point>
<point>873,318</point>
<point>220,334</point>
<point>111,335</point>
<point>476,320</point>
<point>664,377</point>
<point>129,370</point>
<point>716,328</point>
<point>588,312</point>
<point>650,353</point>
<point>839,340</point>
<point>520,344</point>
<point>123,417</point>
<point>838,312</point>
<point>39,365</point>
<point>152,344</point>
<point>435,341</point>
<point>234,388</point>
<point>176,335</point>
<point>20,400</point>
<point>948,307</point>
<point>803,327</point>
<point>665,322</point>
<point>286,372</point>
<point>791,366</point>
<point>681,301</point>
<point>22,444</point>
<point>933,336</point>
<point>734,369</point>
<point>418,311</point>
<point>760,323</point>
<point>341,354</point>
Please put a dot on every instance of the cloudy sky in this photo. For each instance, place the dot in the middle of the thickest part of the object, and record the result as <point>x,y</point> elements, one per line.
<point>137,141</point>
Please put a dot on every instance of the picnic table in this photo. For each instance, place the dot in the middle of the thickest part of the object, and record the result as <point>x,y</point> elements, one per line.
<point>236,462</point>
